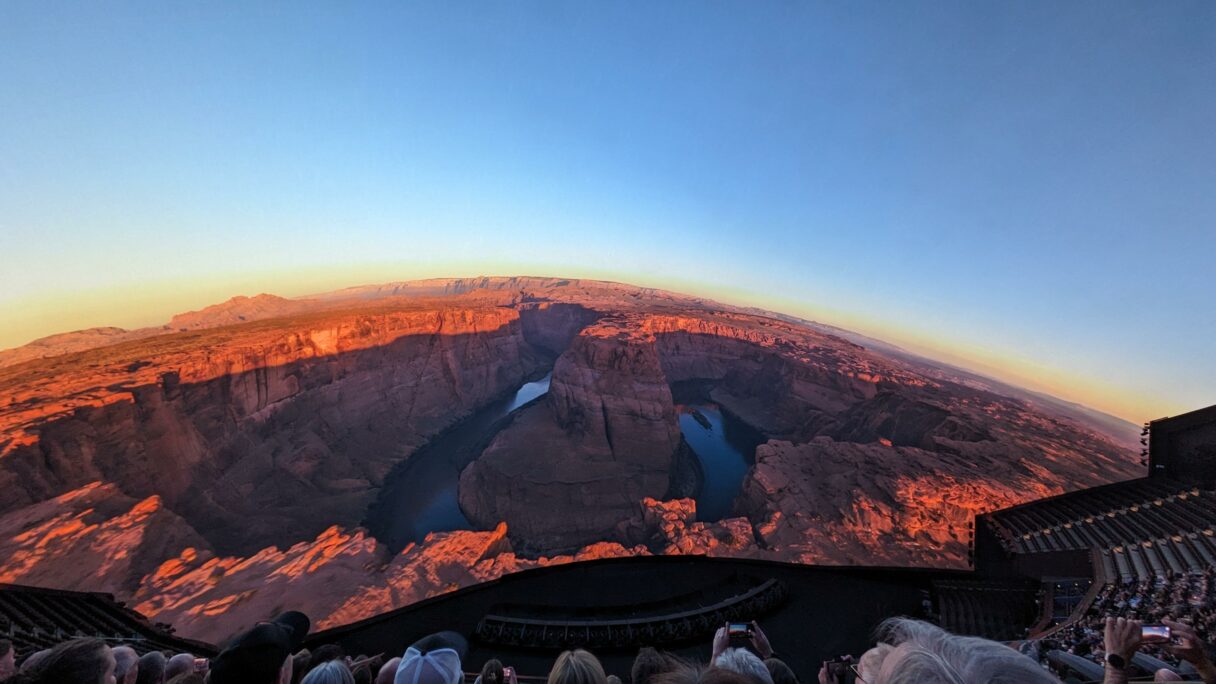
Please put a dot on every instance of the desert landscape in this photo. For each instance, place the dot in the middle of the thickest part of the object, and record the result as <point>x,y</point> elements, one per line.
<point>247,456</point>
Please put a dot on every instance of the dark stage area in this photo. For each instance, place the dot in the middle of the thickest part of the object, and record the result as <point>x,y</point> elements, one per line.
<point>822,613</point>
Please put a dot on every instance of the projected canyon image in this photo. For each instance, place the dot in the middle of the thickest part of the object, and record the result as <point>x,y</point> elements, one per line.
<point>354,451</point>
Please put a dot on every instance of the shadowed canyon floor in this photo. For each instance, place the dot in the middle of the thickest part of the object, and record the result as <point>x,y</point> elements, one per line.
<point>219,468</point>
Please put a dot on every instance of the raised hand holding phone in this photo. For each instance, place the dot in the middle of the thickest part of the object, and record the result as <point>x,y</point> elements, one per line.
<point>760,641</point>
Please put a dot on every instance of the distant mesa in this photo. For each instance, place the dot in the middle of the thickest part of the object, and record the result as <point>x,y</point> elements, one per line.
<point>239,310</point>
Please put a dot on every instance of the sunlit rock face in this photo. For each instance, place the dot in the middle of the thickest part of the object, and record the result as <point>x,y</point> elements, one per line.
<point>213,476</point>
<point>570,468</point>
<point>93,537</point>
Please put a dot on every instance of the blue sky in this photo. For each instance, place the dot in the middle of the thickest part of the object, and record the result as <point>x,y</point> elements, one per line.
<point>1028,187</point>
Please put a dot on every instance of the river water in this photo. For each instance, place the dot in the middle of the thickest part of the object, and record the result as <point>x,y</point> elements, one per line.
<point>726,448</point>
<point>420,496</point>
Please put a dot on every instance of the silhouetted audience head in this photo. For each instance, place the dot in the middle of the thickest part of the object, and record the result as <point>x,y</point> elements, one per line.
<point>613,679</point>
<point>182,663</point>
<point>35,659</point>
<point>300,664</point>
<point>330,672</point>
<point>261,655</point>
<point>388,671</point>
<point>8,659</point>
<point>326,653</point>
<point>126,664</point>
<point>780,672</point>
<point>649,663</point>
<point>688,673</point>
<point>577,667</point>
<point>151,668</point>
<point>79,661</point>
<point>491,672</point>
<point>188,678</point>
<point>927,654</point>
<point>744,662</point>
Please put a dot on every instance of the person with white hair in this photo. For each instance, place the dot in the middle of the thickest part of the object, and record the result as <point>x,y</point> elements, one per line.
<point>332,672</point>
<point>744,662</point>
<point>922,653</point>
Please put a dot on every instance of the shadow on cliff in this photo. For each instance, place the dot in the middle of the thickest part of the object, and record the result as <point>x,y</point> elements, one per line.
<point>276,454</point>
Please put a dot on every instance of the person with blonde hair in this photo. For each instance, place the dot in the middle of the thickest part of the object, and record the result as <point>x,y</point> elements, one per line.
<point>577,667</point>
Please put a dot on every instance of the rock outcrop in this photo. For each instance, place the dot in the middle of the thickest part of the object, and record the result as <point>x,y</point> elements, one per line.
<point>339,577</point>
<point>575,465</point>
<point>94,537</point>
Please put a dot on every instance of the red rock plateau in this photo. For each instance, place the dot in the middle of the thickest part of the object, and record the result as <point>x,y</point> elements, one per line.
<point>217,469</point>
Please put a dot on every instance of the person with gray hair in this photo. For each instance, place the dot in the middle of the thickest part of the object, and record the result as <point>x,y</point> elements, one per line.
<point>331,672</point>
<point>151,668</point>
<point>126,664</point>
<point>744,662</point>
<point>182,663</point>
<point>923,653</point>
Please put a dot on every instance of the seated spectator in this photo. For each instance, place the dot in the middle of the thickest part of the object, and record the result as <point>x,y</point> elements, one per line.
<point>301,662</point>
<point>330,672</point>
<point>780,672</point>
<point>151,668</point>
<point>434,659</point>
<point>491,673</point>
<point>575,667</point>
<point>182,663</point>
<point>261,655</point>
<point>688,673</point>
<point>1122,638</point>
<point>927,654</point>
<point>870,663</point>
<point>188,678</point>
<point>744,662</point>
<point>80,661</point>
<point>34,659</point>
<point>388,671</point>
<point>613,679</point>
<point>126,664</point>
<point>8,659</point>
<point>650,663</point>
<point>326,653</point>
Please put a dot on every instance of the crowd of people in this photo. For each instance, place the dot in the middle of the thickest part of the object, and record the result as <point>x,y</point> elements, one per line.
<point>1188,599</point>
<point>907,651</point>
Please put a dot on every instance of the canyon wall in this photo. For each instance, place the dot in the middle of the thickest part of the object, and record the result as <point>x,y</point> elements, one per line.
<point>266,436</point>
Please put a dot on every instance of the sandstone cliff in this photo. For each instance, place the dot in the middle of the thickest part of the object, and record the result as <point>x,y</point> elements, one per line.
<point>572,467</point>
<point>259,434</point>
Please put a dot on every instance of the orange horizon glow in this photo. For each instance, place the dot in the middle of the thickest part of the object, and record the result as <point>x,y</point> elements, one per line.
<point>135,306</point>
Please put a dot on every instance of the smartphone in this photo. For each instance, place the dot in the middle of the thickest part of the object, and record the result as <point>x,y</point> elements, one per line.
<point>1155,632</point>
<point>739,630</point>
<point>200,665</point>
<point>839,672</point>
<point>506,673</point>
